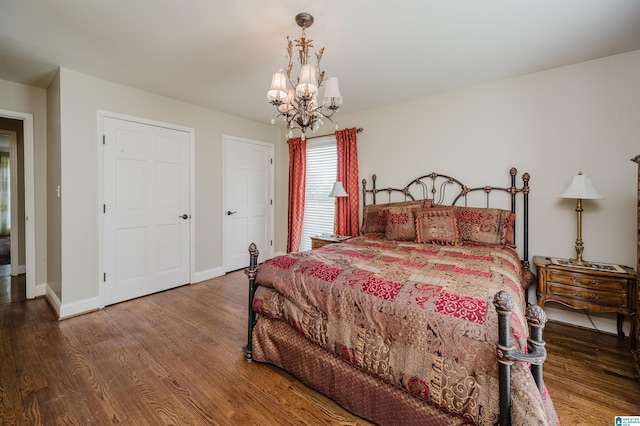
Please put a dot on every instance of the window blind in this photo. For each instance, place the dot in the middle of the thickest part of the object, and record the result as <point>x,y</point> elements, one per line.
<point>319,208</point>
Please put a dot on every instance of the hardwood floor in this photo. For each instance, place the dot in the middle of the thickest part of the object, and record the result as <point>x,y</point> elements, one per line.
<point>175,358</point>
<point>12,289</point>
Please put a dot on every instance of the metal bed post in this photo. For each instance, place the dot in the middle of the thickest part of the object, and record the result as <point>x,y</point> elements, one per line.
<point>251,273</point>
<point>507,355</point>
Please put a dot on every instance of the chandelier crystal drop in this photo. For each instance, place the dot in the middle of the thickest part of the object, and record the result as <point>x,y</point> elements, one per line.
<point>296,97</point>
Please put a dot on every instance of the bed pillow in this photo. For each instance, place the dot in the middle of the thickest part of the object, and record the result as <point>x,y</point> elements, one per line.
<point>486,225</point>
<point>438,225</point>
<point>374,216</point>
<point>509,233</point>
<point>401,222</point>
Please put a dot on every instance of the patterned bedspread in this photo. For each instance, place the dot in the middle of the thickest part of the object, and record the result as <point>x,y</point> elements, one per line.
<point>419,316</point>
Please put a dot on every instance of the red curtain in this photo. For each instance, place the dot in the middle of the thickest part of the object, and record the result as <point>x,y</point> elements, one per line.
<point>347,210</point>
<point>297,184</point>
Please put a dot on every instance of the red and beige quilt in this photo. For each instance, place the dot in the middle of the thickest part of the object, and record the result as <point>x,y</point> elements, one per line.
<point>419,316</point>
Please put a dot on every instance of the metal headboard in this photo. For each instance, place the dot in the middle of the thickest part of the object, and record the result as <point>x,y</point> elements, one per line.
<point>443,189</point>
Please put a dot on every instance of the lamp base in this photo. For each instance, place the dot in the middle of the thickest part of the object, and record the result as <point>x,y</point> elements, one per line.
<point>580,262</point>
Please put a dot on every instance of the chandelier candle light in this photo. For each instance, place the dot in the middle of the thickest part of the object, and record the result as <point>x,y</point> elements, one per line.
<point>296,101</point>
<point>580,189</point>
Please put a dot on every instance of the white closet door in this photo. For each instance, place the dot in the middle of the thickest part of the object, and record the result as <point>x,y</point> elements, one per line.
<point>248,214</point>
<point>146,223</point>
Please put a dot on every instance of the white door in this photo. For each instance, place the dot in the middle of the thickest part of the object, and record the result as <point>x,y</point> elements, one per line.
<point>248,204</point>
<point>146,209</point>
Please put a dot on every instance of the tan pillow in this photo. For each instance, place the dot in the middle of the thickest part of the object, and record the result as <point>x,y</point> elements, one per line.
<point>374,216</point>
<point>486,225</point>
<point>509,234</point>
<point>401,223</point>
<point>438,225</point>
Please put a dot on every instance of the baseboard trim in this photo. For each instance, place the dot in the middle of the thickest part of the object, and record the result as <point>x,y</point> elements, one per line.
<point>18,270</point>
<point>78,308</point>
<point>51,297</point>
<point>41,289</point>
<point>207,274</point>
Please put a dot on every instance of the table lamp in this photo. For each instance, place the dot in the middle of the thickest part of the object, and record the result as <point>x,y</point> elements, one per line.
<point>580,189</point>
<point>337,191</point>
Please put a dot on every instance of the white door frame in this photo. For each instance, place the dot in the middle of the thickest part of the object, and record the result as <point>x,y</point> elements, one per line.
<point>15,224</point>
<point>225,138</point>
<point>101,240</point>
<point>29,200</point>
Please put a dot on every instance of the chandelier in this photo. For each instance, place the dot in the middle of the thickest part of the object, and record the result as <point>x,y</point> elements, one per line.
<point>297,99</point>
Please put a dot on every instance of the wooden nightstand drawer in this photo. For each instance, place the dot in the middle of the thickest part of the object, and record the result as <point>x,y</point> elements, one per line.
<point>587,295</point>
<point>606,288</point>
<point>587,281</point>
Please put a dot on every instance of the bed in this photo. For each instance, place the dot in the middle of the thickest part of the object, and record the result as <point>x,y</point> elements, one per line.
<point>421,319</point>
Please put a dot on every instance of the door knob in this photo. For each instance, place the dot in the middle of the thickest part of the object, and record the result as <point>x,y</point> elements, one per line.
<point>184,216</point>
<point>229,212</point>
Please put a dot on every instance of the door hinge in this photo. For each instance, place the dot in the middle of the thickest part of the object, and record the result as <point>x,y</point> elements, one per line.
<point>104,277</point>
<point>271,242</point>
<point>271,201</point>
<point>271,160</point>
<point>104,208</point>
<point>104,139</point>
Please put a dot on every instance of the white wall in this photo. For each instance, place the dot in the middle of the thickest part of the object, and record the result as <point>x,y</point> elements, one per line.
<point>552,124</point>
<point>54,203</point>
<point>81,97</point>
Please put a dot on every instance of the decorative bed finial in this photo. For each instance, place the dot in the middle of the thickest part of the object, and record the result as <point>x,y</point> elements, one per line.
<point>503,302</point>
<point>536,316</point>
<point>253,250</point>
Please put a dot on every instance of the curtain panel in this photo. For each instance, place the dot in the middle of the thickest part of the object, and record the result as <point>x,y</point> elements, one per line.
<point>347,173</point>
<point>297,186</point>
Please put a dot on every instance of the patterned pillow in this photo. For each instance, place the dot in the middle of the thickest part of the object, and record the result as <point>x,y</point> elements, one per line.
<point>401,222</point>
<point>438,225</point>
<point>509,237</point>
<point>374,216</point>
<point>485,225</point>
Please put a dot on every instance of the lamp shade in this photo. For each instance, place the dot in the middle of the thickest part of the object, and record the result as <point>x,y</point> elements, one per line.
<point>332,95</point>
<point>581,188</point>
<point>307,83</point>
<point>338,190</point>
<point>278,90</point>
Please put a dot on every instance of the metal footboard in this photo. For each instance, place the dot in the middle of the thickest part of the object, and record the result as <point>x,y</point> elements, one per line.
<point>507,355</point>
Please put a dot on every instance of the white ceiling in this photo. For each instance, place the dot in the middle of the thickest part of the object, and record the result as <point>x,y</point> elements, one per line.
<point>221,53</point>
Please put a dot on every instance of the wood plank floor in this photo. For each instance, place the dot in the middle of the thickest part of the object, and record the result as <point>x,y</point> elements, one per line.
<point>175,358</point>
<point>12,289</point>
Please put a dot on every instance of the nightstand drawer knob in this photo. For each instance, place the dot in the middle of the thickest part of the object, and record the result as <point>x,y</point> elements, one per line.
<point>591,282</point>
<point>591,296</point>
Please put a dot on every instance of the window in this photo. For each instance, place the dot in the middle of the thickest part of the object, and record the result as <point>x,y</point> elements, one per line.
<point>319,208</point>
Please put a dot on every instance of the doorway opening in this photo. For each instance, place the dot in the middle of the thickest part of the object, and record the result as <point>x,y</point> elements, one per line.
<point>18,212</point>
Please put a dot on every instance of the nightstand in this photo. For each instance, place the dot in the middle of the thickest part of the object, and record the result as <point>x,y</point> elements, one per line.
<point>322,240</point>
<point>611,289</point>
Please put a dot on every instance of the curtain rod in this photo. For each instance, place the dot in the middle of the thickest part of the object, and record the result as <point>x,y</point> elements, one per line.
<point>358,130</point>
